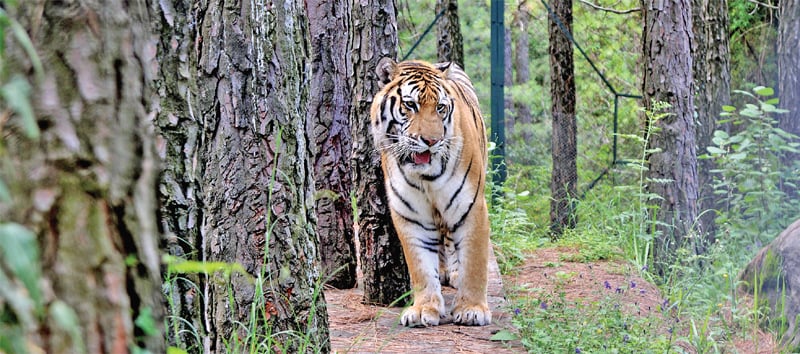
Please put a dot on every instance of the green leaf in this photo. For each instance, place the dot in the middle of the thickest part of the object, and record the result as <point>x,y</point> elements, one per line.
<point>66,319</point>
<point>146,322</point>
<point>16,94</point>
<point>737,156</point>
<point>773,101</point>
<point>726,108</point>
<point>22,37</point>
<point>715,150</point>
<point>503,335</point>
<point>5,195</point>
<point>763,91</point>
<point>176,350</point>
<point>21,254</point>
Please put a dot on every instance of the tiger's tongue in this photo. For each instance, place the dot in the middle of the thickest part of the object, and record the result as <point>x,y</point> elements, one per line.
<point>422,158</point>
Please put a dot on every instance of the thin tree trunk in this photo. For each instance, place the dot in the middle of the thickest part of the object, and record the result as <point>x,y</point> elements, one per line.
<point>521,65</point>
<point>329,110</point>
<point>711,61</point>
<point>508,80</point>
<point>563,184</point>
<point>373,36</point>
<point>673,168</point>
<point>85,187</point>
<point>789,77</point>
<point>448,30</point>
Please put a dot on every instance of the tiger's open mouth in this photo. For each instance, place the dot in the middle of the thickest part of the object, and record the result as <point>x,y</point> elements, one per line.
<point>422,158</point>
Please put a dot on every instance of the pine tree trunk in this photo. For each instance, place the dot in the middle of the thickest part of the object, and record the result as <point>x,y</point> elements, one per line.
<point>238,145</point>
<point>563,184</point>
<point>673,169</point>
<point>373,36</point>
<point>508,81</point>
<point>178,128</point>
<point>85,187</point>
<point>329,111</point>
<point>711,70</point>
<point>521,66</point>
<point>789,77</point>
<point>448,30</point>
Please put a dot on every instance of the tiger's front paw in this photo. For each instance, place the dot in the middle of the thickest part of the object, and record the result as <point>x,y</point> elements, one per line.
<point>420,316</point>
<point>472,315</point>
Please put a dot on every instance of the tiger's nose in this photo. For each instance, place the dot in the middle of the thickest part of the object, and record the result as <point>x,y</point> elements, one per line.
<point>429,141</point>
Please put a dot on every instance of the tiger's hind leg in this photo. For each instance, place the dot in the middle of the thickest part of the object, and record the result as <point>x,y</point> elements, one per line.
<point>448,261</point>
<point>470,306</point>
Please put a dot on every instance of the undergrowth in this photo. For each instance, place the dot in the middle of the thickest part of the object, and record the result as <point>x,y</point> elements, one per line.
<point>704,311</point>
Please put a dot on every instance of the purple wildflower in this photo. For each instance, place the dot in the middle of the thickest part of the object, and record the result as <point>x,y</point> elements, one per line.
<point>625,338</point>
<point>607,284</point>
<point>543,305</point>
<point>517,311</point>
<point>578,351</point>
<point>633,284</point>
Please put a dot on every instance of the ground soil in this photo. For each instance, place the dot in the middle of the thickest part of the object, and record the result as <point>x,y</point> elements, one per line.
<point>361,328</point>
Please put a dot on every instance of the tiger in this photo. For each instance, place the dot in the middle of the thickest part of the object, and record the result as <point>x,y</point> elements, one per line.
<point>426,123</point>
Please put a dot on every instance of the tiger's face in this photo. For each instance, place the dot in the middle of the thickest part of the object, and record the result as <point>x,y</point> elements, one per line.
<point>416,125</point>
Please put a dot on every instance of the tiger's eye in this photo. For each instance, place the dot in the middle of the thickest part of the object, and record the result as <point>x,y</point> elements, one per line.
<point>441,108</point>
<point>409,105</point>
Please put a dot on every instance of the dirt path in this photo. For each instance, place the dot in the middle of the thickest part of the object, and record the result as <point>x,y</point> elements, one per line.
<point>360,328</point>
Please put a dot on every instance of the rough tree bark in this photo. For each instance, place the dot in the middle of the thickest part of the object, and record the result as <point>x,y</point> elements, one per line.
<point>86,187</point>
<point>712,77</point>
<point>521,65</point>
<point>789,76</point>
<point>672,173</point>
<point>373,36</point>
<point>329,110</point>
<point>178,136</point>
<point>563,183</point>
<point>448,30</point>
<point>242,147</point>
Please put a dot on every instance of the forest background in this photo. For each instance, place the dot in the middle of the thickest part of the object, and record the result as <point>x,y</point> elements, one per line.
<point>89,255</point>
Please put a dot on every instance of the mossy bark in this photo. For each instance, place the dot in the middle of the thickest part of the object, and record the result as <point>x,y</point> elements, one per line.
<point>86,187</point>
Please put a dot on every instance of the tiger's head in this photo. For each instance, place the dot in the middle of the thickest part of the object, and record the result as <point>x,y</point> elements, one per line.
<point>413,114</point>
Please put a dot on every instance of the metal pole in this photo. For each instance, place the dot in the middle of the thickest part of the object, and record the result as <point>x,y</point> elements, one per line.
<point>498,133</point>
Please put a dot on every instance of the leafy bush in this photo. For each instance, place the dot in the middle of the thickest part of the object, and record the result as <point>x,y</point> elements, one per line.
<point>753,208</point>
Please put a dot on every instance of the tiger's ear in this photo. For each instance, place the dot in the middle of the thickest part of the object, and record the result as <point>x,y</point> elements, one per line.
<point>450,69</point>
<point>443,66</point>
<point>386,69</point>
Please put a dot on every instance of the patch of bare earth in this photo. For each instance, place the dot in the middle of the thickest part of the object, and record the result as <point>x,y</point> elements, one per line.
<point>362,328</point>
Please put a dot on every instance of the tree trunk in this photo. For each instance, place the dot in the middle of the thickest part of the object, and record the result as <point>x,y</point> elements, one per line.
<point>448,30</point>
<point>508,80</point>
<point>179,143</point>
<point>236,129</point>
<point>373,36</point>
<point>673,168</point>
<point>521,64</point>
<point>563,184</point>
<point>85,187</point>
<point>329,111</point>
<point>711,69</point>
<point>789,77</point>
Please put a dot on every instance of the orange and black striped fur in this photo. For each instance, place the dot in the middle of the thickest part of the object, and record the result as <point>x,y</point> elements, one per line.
<point>428,127</point>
